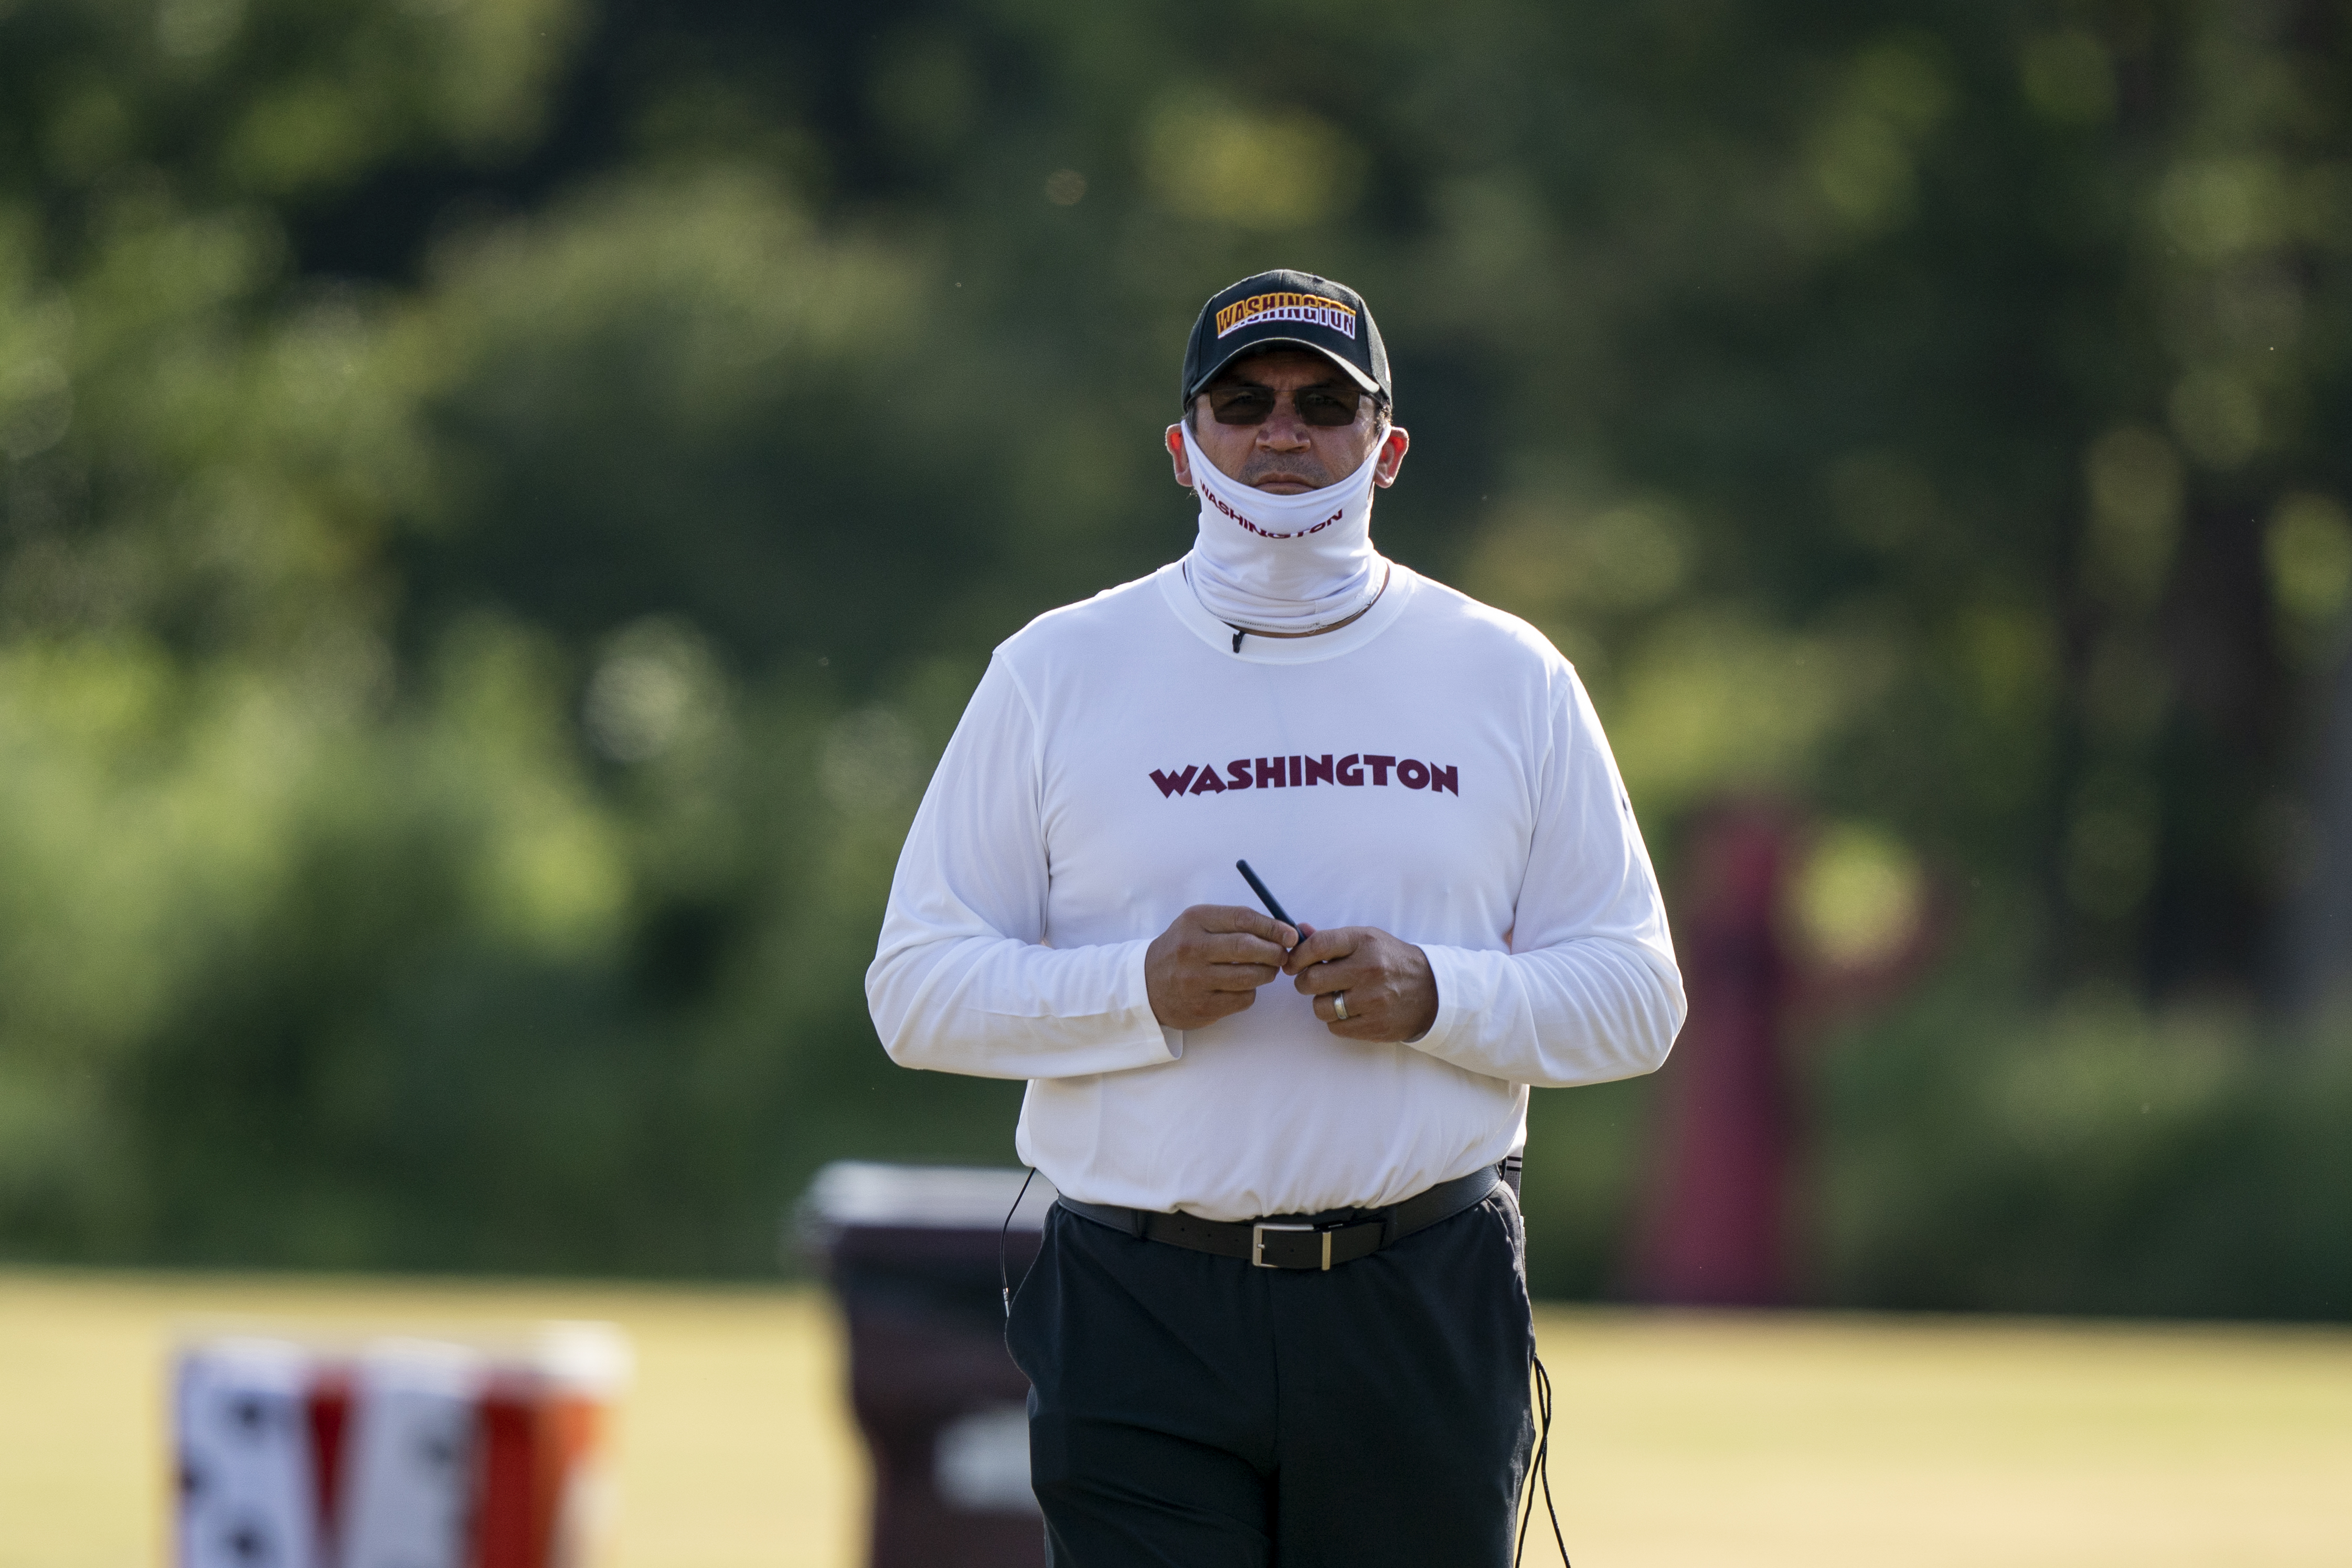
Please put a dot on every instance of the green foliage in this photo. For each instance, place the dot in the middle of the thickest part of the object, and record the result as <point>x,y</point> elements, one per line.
<point>238,100</point>
<point>665,394</point>
<point>1581,1190</point>
<point>2098,1159</point>
<point>500,502</point>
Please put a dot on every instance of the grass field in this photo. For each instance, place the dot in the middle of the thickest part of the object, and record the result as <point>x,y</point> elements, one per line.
<point>1691,1441</point>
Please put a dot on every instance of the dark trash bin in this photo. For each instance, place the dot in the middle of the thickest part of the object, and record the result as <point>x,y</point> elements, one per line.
<point>911,1252</point>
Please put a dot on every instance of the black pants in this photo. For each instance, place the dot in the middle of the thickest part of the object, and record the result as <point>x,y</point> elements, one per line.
<point>1193,1411</point>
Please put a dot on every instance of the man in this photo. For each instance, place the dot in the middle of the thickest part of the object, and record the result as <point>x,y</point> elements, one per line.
<point>1281,1314</point>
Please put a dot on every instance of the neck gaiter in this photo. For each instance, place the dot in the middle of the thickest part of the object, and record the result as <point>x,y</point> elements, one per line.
<point>1265,562</point>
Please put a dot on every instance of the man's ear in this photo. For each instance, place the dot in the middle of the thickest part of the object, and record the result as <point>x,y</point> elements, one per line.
<point>1393,446</point>
<point>1175,439</point>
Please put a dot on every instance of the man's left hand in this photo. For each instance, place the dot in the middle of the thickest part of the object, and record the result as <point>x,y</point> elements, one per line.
<point>1391,994</point>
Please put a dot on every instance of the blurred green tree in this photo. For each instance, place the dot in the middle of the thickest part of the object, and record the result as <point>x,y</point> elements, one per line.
<point>502,499</point>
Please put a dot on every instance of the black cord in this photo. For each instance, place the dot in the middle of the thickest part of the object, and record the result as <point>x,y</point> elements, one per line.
<point>1541,1470</point>
<point>1004,1271</point>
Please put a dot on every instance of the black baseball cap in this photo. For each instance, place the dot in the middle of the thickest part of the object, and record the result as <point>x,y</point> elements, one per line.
<point>1292,309</point>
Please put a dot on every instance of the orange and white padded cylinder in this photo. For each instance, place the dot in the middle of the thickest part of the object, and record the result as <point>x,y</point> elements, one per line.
<point>393,1453</point>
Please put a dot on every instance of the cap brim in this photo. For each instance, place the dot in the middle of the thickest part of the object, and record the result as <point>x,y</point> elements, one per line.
<point>1355,373</point>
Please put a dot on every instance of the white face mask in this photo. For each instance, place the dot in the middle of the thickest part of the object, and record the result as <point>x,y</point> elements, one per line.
<point>1265,562</point>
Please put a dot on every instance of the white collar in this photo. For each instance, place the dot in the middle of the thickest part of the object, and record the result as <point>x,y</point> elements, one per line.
<point>1258,649</point>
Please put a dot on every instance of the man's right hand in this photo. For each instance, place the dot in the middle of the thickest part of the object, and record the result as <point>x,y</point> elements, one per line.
<point>1210,962</point>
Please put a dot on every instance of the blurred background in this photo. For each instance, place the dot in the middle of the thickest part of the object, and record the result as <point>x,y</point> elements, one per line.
<point>502,502</point>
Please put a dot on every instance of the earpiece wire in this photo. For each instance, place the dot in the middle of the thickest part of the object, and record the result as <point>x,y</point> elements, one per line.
<point>1004,1269</point>
<point>1541,1471</point>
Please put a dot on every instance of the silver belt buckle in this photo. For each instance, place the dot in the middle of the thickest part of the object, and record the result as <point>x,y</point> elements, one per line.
<point>1258,1244</point>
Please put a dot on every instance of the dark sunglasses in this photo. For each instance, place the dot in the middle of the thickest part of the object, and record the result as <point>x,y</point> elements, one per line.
<point>1324,405</point>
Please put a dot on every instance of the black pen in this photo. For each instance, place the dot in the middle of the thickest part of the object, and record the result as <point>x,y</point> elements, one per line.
<point>1273,904</point>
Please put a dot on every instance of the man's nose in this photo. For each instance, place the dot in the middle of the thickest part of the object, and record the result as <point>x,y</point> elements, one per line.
<point>1283,431</point>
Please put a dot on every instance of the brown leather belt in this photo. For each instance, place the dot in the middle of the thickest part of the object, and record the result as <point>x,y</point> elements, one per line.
<point>1304,1241</point>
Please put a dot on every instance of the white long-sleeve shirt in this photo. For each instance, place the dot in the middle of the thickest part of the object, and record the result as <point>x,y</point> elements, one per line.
<point>1433,768</point>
